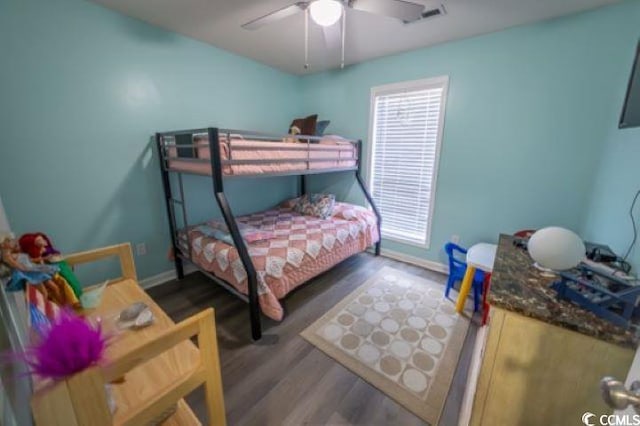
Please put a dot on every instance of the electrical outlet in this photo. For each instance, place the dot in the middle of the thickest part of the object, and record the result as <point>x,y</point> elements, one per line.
<point>141,249</point>
<point>455,239</point>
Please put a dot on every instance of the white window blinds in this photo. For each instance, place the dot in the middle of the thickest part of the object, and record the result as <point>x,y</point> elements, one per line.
<point>406,134</point>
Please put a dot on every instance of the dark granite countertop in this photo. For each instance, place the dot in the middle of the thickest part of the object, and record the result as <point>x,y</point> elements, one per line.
<point>518,286</point>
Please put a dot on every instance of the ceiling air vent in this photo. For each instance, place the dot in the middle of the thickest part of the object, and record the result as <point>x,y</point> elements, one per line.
<point>432,13</point>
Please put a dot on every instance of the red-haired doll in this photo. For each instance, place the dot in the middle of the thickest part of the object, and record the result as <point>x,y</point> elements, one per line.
<point>39,248</point>
<point>24,271</point>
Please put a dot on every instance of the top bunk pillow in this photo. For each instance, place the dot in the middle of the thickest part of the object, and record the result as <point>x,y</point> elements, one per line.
<point>319,205</point>
<point>335,140</point>
<point>321,127</point>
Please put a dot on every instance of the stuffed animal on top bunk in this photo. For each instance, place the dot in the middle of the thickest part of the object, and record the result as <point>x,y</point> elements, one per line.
<point>26,260</point>
<point>293,130</point>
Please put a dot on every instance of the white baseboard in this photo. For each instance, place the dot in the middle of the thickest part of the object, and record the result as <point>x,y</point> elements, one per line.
<point>423,263</point>
<point>165,276</point>
<point>189,268</point>
<point>473,376</point>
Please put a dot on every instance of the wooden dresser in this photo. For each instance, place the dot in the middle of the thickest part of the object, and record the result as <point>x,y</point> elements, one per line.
<point>539,361</point>
<point>160,364</point>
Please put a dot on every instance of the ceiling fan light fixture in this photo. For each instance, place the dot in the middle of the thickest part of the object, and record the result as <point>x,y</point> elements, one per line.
<point>325,12</point>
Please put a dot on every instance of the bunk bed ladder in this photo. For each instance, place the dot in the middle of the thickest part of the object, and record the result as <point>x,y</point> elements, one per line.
<point>368,196</point>
<point>238,241</point>
<point>166,183</point>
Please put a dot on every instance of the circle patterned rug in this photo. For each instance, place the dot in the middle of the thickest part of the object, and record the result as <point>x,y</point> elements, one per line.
<point>399,333</point>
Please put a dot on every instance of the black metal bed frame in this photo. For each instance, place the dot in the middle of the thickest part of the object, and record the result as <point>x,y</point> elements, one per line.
<point>184,140</point>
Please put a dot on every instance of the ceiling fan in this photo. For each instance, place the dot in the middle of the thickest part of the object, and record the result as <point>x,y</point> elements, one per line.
<point>327,13</point>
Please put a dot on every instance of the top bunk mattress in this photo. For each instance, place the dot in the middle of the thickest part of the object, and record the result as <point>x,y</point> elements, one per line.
<point>256,157</point>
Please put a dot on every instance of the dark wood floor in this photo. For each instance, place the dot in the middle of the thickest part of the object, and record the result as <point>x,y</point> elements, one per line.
<point>282,379</point>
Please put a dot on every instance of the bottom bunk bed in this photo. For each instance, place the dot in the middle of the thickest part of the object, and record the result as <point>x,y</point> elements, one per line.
<point>286,248</point>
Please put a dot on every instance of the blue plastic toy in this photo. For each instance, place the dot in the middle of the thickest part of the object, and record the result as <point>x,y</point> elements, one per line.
<point>457,268</point>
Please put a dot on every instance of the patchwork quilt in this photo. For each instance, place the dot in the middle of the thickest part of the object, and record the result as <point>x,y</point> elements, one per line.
<point>303,247</point>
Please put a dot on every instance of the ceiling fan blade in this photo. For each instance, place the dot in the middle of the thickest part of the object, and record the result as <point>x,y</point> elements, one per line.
<point>275,16</point>
<point>400,9</point>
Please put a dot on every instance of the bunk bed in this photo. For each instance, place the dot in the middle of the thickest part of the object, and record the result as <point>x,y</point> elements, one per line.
<point>237,265</point>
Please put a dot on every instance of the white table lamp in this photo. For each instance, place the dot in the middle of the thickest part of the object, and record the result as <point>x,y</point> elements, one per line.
<point>556,248</point>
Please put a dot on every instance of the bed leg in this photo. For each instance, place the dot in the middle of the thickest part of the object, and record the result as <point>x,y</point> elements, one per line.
<point>303,185</point>
<point>179,268</point>
<point>256,328</point>
<point>254,313</point>
<point>369,198</point>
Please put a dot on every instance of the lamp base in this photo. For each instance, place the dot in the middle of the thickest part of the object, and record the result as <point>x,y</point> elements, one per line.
<point>545,272</point>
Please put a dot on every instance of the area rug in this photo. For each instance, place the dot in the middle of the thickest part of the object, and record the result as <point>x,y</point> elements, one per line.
<point>398,333</point>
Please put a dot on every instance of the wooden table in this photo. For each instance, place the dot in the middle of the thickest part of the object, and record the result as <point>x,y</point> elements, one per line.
<point>144,381</point>
<point>159,363</point>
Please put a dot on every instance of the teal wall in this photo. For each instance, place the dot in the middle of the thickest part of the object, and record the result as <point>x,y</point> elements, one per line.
<point>618,180</point>
<point>618,177</point>
<point>528,112</point>
<point>81,91</point>
<point>529,139</point>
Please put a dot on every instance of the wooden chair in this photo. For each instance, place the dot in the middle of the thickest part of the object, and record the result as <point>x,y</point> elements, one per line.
<point>159,371</point>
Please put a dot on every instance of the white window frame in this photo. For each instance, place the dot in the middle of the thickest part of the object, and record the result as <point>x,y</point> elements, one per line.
<point>441,81</point>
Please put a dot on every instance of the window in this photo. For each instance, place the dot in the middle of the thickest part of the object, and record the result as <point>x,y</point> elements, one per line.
<point>406,132</point>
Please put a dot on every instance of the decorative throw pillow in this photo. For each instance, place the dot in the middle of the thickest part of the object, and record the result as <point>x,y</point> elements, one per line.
<point>319,205</point>
<point>321,126</point>
<point>212,232</point>
<point>348,211</point>
<point>306,125</point>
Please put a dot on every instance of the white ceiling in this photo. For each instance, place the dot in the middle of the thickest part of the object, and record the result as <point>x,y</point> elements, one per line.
<point>281,45</point>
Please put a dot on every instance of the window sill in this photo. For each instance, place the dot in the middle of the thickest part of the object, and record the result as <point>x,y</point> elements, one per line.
<point>426,245</point>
